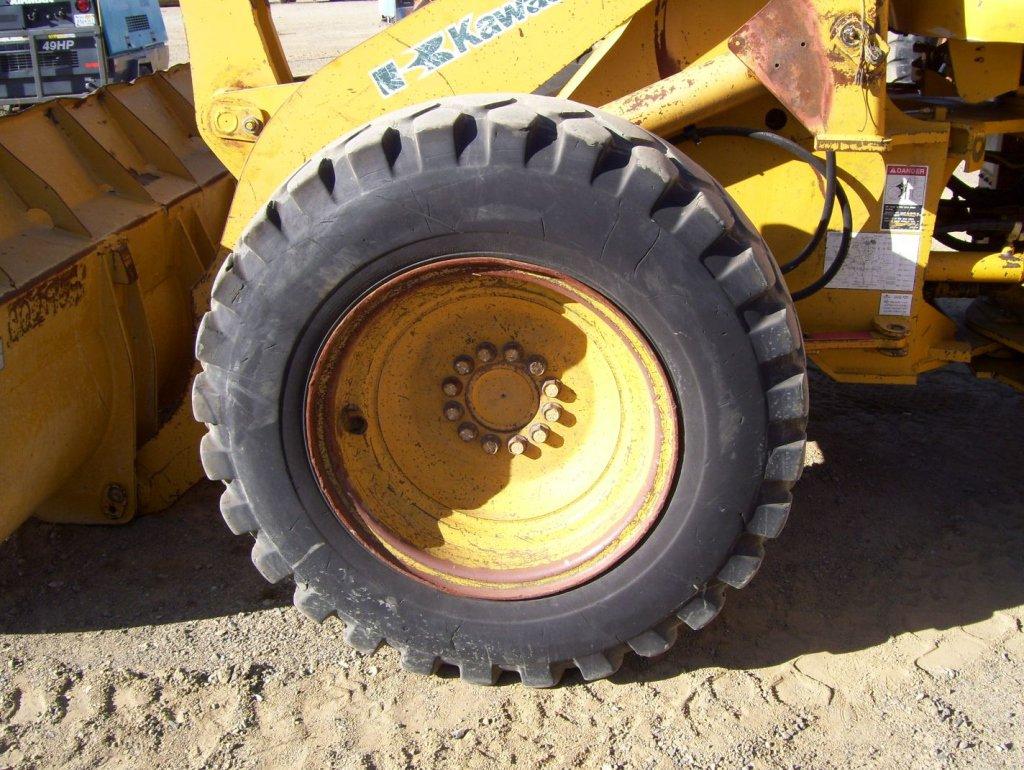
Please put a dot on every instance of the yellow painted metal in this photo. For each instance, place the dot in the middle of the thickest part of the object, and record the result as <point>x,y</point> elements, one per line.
<point>984,71</point>
<point>995,21</point>
<point>253,63</point>
<point>110,212</point>
<point>112,209</point>
<point>972,267</point>
<point>501,525</point>
<point>523,50</point>
<point>662,64</point>
<point>712,84</point>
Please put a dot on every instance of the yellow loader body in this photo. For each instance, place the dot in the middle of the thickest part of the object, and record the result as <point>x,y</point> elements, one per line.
<point>118,210</point>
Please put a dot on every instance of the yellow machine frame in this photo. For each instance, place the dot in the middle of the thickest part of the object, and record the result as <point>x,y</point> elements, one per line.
<point>664,64</point>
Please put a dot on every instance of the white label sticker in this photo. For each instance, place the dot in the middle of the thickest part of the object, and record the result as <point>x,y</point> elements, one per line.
<point>903,204</point>
<point>896,304</point>
<point>85,19</point>
<point>877,261</point>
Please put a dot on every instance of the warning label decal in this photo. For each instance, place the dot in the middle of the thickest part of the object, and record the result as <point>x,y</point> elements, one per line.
<point>896,304</point>
<point>876,261</point>
<point>903,204</point>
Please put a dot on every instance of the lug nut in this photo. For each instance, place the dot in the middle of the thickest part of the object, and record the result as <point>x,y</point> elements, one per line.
<point>253,126</point>
<point>552,388</point>
<point>486,352</point>
<point>491,444</point>
<point>552,412</point>
<point>512,352</point>
<point>464,365</point>
<point>537,366</point>
<point>539,434</point>
<point>468,432</point>
<point>453,411</point>
<point>517,445</point>
<point>451,387</point>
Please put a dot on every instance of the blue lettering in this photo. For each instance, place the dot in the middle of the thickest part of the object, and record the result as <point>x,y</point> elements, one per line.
<point>430,56</point>
<point>462,37</point>
<point>388,79</point>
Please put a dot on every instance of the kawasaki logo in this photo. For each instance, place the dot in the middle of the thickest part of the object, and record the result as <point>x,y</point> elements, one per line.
<point>445,47</point>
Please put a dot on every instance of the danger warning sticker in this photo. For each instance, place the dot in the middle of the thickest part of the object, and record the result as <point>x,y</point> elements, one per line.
<point>903,205</point>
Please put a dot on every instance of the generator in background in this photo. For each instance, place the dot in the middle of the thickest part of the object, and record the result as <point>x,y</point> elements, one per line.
<point>73,47</point>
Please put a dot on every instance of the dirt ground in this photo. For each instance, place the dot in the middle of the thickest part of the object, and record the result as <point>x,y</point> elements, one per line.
<point>885,630</point>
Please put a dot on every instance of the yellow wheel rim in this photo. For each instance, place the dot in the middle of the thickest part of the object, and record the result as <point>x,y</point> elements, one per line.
<point>492,429</point>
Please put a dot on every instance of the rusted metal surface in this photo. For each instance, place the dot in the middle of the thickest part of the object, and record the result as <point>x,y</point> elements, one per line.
<point>49,297</point>
<point>783,46</point>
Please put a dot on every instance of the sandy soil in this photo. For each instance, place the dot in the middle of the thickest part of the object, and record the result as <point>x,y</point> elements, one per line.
<point>885,630</point>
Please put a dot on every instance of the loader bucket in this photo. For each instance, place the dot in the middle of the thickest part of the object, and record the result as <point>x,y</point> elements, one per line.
<point>111,211</point>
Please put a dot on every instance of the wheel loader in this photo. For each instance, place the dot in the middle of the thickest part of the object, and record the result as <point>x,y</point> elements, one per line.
<point>501,320</point>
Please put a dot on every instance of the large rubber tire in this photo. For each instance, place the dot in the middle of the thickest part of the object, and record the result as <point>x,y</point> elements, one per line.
<point>567,188</point>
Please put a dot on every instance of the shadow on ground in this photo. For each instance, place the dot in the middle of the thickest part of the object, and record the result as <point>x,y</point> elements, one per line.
<point>180,565</point>
<point>911,519</point>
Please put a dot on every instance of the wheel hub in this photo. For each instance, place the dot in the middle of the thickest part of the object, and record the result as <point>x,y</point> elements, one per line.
<point>516,434</point>
<point>500,396</point>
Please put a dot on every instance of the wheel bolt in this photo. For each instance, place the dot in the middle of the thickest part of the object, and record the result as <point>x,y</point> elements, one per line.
<point>539,434</point>
<point>453,411</point>
<point>468,432</point>
<point>451,387</point>
<point>491,444</point>
<point>486,352</point>
<point>464,365</point>
<point>512,352</point>
<point>537,366</point>
<point>552,412</point>
<point>552,388</point>
<point>517,445</point>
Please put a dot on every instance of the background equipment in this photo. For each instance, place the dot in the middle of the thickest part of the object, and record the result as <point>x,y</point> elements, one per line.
<point>73,47</point>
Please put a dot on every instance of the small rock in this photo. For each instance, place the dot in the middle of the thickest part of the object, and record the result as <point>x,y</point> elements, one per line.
<point>461,733</point>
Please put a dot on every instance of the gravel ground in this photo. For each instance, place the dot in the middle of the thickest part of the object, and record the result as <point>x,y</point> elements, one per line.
<point>885,630</point>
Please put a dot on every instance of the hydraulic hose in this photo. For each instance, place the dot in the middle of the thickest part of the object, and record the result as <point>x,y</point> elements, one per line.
<point>827,170</point>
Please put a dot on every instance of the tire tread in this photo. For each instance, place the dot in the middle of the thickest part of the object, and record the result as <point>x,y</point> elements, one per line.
<point>551,137</point>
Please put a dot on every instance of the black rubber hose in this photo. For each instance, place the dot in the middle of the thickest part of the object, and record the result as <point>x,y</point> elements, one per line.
<point>958,244</point>
<point>827,169</point>
<point>1001,226</point>
<point>831,183</point>
<point>793,148</point>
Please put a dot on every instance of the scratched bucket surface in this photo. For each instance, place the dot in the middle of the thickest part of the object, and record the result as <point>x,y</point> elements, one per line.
<point>111,209</point>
